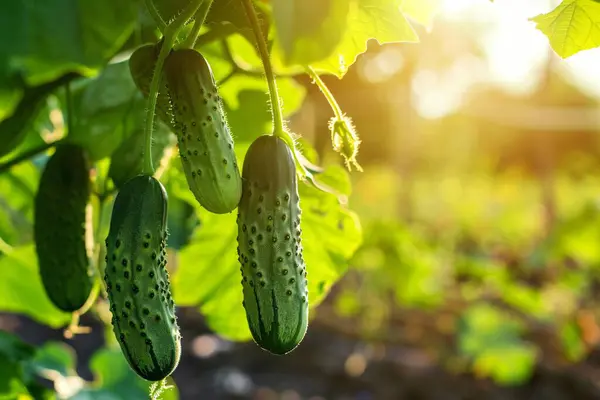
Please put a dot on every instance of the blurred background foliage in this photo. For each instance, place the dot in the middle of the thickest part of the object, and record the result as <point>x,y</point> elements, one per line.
<point>468,248</point>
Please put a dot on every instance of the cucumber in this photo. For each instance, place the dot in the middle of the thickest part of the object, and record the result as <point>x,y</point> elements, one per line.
<point>137,281</point>
<point>205,142</point>
<point>270,247</point>
<point>59,228</point>
<point>141,66</point>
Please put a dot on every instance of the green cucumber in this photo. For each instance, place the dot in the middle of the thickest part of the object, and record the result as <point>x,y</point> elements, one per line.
<point>205,142</point>
<point>59,228</point>
<point>270,247</point>
<point>137,281</point>
<point>141,66</point>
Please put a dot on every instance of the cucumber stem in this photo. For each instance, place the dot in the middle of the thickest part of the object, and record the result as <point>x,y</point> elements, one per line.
<point>156,15</point>
<point>190,41</point>
<point>278,128</point>
<point>69,101</point>
<point>170,36</point>
<point>157,389</point>
<point>337,110</point>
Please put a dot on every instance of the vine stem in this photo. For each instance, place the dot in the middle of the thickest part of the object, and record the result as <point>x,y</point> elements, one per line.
<point>156,15</point>
<point>190,41</point>
<point>278,125</point>
<point>157,389</point>
<point>27,155</point>
<point>278,128</point>
<point>169,38</point>
<point>69,100</point>
<point>337,110</point>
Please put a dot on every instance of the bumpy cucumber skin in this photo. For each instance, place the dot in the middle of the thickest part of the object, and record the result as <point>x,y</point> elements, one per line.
<point>59,228</point>
<point>205,142</point>
<point>137,281</point>
<point>270,247</point>
<point>141,66</point>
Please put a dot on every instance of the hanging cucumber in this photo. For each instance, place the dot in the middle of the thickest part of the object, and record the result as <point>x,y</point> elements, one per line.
<point>205,142</point>
<point>137,280</point>
<point>59,228</point>
<point>270,247</point>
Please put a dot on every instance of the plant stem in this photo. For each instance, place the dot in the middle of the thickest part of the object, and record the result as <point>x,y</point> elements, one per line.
<point>278,128</point>
<point>69,100</point>
<point>190,41</point>
<point>156,15</point>
<point>326,92</point>
<point>27,155</point>
<point>171,32</point>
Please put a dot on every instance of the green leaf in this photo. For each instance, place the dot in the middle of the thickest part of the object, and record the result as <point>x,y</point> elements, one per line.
<point>14,349</point>
<point>422,11</point>
<point>11,91</point>
<point>381,20</point>
<point>55,356</point>
<point>309,30</point>
<point>16,210</point>
<point>492,341</point>
<point>208,271</point>
<point>573,26</point>
<point>11,381</point>
<point>573,344</point>
<point>22,290</point>
<point>106,111</point>
<point>53,37</point>
<point>246,102</point>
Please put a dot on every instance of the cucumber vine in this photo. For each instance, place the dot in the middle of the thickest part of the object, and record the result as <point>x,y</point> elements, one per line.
<point>278,127</point>
<point>190,41</point>
<point>170,36</point>
<point>276,109</point>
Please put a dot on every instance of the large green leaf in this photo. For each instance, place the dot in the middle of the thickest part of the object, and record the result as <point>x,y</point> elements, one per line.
<point>381,20</point>
<point>16,210</point>
<point>309,30</point>
<point>422,11</point>
<point>208,271</point>
<point>106,111</point>
<point>247,104</point>
<point>52,37</point>
<point>22,290</point>
<point>573,26</point>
